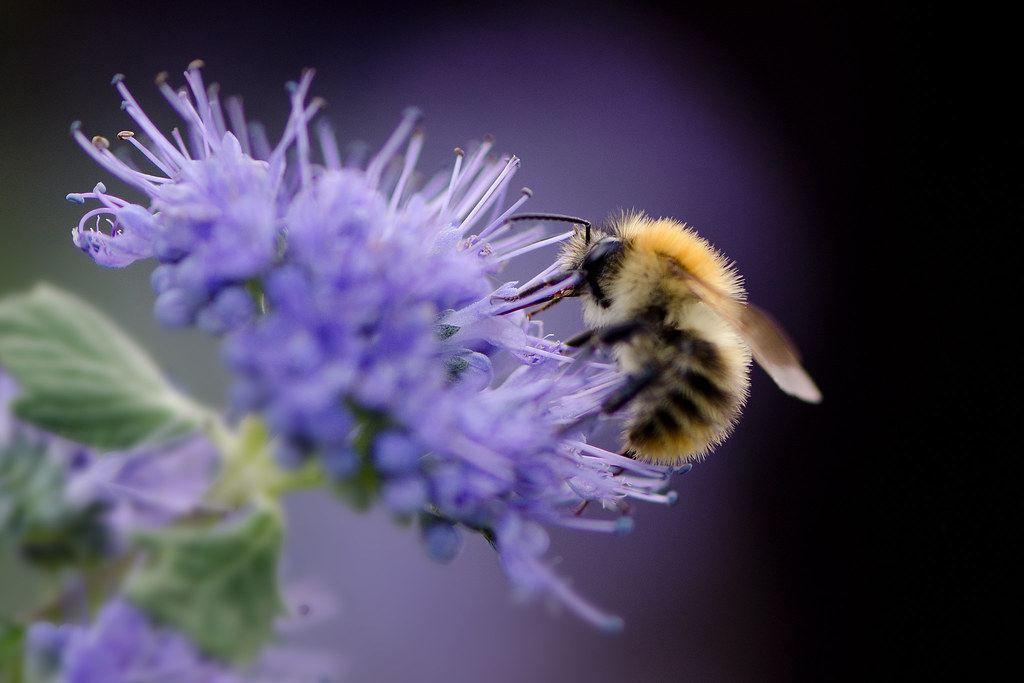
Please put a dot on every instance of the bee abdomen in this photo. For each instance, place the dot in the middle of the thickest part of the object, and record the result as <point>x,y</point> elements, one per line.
<point>690,409</point>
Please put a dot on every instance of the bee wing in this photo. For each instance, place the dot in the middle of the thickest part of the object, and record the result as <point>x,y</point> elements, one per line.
<point>776,354</point>
<point>771,347</point>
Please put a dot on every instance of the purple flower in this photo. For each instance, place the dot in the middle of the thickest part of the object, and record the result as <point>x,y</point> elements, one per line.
<point>121,646</point>
<point>148,486</point>
<point>123,491</point>
<point>213,218</point>
<point>361,322</point>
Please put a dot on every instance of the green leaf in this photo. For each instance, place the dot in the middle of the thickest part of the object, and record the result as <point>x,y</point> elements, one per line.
<point>12,645</point>
<point>38,520</point>
<point>82,378</point>
<point>217,585</point>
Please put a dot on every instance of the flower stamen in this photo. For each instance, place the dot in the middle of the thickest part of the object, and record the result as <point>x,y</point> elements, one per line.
<point>410,118</point>
<point>412,155</point>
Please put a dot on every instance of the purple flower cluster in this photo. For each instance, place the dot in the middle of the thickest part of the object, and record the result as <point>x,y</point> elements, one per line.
<point>360,321</point>
<point>212,224</point>
<point>121,645</point>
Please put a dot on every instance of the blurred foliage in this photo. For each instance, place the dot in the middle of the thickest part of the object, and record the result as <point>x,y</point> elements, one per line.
<point>37,521</point>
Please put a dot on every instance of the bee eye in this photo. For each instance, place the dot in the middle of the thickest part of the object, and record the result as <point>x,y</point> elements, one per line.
<point>601,254</point>
<point>602,258</point>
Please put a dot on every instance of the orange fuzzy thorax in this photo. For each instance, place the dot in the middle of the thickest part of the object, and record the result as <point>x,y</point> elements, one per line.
<point>664,236</point>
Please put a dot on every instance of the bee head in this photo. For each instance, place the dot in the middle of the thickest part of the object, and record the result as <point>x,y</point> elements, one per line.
<point>601,261</point>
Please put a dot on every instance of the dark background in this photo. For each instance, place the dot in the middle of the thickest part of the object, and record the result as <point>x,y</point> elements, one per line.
<point>855,163</point>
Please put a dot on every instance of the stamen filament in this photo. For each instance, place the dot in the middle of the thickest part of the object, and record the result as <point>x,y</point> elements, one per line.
<point>298,117</point>
<point>503,176</point>
<point>328,146</point>
<point>194,79</point>
<point>550,354</point>
<point>412,155</point>
<point>152,157</point>
<point>606,622</point>
<point>216,113</point>
<point>176,134</point>
<point>95,213</point>
<point>459,155</point>
<point>588,450</point>
<point>617,525</point>
<point>474,163</point>
<point>536,245</point>
<point>236,114</point>
<point>669,498</point>
<point>404,129</point>
<point>108,161</point>
<point>500,220</point>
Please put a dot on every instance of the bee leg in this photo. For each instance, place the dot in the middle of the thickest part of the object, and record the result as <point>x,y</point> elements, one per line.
<point>541,309</point>
<point>578,340</point>
<point>632,386</point>
<point>606,336</point>
<point>546,282</point>
<point>585,343</point>
<point>620,333</point>
<point>569,279</point>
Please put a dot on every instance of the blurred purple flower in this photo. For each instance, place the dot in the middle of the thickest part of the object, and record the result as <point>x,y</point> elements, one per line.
<point>149,486</point>
<point>377,341</point>
<point>121,646</point>
<point>144,487</point>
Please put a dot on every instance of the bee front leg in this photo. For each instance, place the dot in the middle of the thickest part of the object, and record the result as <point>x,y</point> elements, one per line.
<point>578,340</point>
<point>545,293</point>
<point>632,386</point>
<point>607,336</point>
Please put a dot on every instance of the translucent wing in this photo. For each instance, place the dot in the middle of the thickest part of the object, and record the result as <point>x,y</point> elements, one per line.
<point>776,354</point>
<point>771,347</point>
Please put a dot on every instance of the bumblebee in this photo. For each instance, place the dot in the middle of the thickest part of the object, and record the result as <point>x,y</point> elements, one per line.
<point>674,314</point>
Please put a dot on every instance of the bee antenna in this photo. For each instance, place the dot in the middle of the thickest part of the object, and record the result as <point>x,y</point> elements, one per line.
<point>553,217</point>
